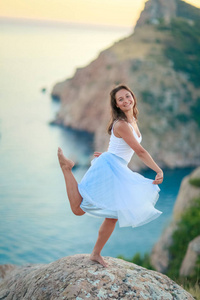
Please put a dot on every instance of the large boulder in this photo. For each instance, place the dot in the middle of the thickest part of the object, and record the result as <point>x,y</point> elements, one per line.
<point>160,253</point>
<point>186,194</point>
<point>76,277</point>
<point>191,257</point>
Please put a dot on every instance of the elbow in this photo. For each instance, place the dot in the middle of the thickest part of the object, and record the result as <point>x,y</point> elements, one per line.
<point>141,152</point>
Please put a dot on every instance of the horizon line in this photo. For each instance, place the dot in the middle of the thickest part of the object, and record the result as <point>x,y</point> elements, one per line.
<point>62,23</point>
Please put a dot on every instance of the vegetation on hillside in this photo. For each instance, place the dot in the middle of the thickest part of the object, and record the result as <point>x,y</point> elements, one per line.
<point>195,182</point>
<point>195,110</point>
<point>187,11</point>
<point>183,48</point>
<point>143,261</point>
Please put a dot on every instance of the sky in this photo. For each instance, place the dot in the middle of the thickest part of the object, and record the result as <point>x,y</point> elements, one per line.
<point>123,13</point>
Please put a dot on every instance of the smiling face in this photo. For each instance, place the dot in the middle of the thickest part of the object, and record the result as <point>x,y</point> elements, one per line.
<point>123,103</point>
<point>124,100</point>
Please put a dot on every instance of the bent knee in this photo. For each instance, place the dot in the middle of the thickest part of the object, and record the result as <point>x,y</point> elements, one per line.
<point>112,220</point>
<point>78,211</point>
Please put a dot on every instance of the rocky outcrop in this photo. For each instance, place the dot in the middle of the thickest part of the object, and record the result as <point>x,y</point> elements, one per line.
<point>164,95</point>
<point>75,277</point>
<point>156,10</point>
<point>190,259</point>
<point>160,254</point>
<point>186,193</point>
<point>5,270</point>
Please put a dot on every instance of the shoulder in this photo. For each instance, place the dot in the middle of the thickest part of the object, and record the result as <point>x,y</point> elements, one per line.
<point>122,128</point>
<point>121,124</point>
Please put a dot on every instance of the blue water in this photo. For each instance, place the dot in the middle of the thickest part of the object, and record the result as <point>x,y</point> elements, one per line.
<point>36,224</point>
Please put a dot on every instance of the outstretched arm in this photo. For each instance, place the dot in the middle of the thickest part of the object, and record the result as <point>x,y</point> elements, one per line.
<point>123,129</point>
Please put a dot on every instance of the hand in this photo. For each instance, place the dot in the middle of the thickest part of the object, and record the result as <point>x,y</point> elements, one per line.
<point>97,154</point>
<point>159,178</point>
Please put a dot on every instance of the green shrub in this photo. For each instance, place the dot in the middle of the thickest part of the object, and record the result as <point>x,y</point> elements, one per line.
<point>195,182</point>
<point>183,118</point>
<point>108,67</point>
<point>147,97</point>
<point>143,261</point>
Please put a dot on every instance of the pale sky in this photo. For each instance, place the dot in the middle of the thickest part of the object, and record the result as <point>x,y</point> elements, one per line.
<point>105,12</point>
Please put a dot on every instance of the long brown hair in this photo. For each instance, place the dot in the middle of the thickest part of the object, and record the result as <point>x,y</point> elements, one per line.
<point>117,113</point>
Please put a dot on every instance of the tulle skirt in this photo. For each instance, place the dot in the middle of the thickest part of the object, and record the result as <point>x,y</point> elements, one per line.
<point>111,190</point>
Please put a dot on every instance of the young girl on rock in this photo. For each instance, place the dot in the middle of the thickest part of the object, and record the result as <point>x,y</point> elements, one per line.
<point>109,188</point>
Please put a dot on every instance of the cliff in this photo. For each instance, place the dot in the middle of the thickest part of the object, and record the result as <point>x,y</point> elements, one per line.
<point>179,245</point>
<point>75,277</point>
<point>157,9</point>
<point>159,62</point>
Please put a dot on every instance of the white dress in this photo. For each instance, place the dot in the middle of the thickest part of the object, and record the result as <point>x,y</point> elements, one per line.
<point>111,190</point>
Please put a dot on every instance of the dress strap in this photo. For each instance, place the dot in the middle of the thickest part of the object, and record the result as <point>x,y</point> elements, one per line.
<point>117,121</point>
<point>139,136</point>
<point>114,124</point>
<point>131,125</point>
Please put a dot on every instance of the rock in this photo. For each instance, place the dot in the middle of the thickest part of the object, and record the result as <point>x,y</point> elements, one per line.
<point>156,10</point>
<point>57,90</point>
<point>190,259</point>
<point>5,270</point>
<point>186,193</point>
<point>160,254</point>
<point>76,277</point>
<point>43,90</point>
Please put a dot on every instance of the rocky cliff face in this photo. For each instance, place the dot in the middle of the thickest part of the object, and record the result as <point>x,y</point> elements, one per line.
<point>160,256</point>
<point>157,9</point>
<point>75,277</point>
<point>190,260</point>
<point>165,95</point>
<point>161,10</point>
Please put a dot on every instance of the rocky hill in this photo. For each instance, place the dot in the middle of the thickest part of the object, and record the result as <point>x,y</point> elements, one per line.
<point>76,277</point>
<point>160,62</point>
<point>177,252</point>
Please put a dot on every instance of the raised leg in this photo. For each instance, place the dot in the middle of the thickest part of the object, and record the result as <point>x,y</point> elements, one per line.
<point>105,232</point>
<point>71,184</point>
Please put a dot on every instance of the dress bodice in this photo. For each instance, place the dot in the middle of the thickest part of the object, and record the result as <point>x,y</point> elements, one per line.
<point>119,147</point>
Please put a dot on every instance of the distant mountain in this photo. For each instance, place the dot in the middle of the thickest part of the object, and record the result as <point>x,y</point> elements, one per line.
<point>160,61</point>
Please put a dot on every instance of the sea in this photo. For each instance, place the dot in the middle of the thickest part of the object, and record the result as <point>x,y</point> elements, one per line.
<point>36,223</point>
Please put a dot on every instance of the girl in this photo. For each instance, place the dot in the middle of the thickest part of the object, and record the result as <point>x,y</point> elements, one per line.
<point>109,188</point>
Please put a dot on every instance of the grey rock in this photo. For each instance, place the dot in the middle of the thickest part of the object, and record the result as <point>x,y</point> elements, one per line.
<point>186,193</point>
<point>156,10</point>
<point>160,254</point>
<point>5,270</point>
<point>190,259</point>
<point>76,277</point>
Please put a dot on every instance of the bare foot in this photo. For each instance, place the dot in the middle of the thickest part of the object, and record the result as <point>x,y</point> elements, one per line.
<point>98,258</point>
<point>64,162</point>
